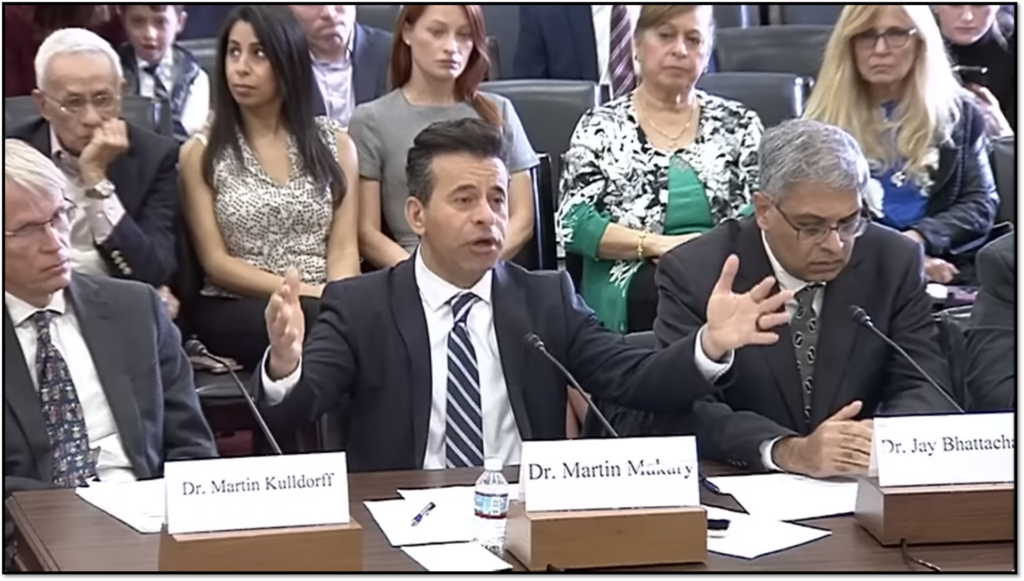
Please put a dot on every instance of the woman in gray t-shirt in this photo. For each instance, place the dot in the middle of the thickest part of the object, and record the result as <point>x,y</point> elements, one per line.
<point>437,62</point>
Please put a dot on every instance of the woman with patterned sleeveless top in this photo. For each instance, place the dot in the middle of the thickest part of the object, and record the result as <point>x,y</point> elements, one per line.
<point>266,189</point>
<point>654,169</point>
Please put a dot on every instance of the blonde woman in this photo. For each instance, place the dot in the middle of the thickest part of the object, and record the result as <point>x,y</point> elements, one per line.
<point>886,79</point>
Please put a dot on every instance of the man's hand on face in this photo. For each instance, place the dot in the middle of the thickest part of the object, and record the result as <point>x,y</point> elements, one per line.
<point>109,142</point>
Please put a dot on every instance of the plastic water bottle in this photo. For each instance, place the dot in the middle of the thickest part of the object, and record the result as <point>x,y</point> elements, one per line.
<point>491,506</point>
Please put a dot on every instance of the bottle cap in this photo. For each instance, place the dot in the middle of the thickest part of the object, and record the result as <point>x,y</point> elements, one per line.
<point>493,465</point>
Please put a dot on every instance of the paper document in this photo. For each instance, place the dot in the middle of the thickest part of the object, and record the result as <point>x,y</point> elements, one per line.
<point>459,494</point>
<point>788,497</point>
<point>448,522</point>
<point>139,505</point>
<point>456,558</point>
<point>750,537</point>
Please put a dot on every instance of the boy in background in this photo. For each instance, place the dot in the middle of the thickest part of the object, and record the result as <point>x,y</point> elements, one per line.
<point>155,66</point>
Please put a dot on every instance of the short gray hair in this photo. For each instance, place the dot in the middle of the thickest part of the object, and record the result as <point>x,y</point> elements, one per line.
<point>73,41</point>
<point>807,151</point>
<point>25,166</point>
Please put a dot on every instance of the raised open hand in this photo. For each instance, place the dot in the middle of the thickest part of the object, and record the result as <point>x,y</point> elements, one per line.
<point>286,326</point>
<point>737,320</point>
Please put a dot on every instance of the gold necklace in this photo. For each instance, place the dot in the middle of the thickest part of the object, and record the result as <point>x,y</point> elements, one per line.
<point>679,136</point>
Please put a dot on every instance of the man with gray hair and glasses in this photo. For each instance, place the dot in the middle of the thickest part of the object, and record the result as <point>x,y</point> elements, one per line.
<point>804,404</point>
<point>96,384</point>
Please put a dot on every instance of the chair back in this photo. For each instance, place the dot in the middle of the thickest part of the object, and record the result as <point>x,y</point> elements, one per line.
<point>494,51</point>
<point>545,243</point>
<point>775,97</point>
<point>737,15</point>
<point>1005,169</point>
<point>137,110</point>
<point>809,13</point>
<point>382,16</point>
<point>794,49</point>
<point>502,22</point>
<point>205,51</point>
<point>952,324</point>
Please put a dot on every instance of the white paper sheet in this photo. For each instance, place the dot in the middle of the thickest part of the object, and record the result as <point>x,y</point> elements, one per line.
<point>139,505</point>
<point>448,522</point>
<point>456,558</point>
<point>750,537</point>
<point>459,494</point>
<point>788,497</point>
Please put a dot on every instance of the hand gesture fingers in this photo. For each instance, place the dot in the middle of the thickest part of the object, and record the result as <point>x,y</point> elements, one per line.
<point>728,276</point>
<point>291,286</point>
<point>848,412</point>
<point>776,302</point>
<point>772,320</point>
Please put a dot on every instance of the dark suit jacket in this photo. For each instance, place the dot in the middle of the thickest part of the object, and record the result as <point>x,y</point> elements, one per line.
<point>963,200</point>
<point>991,337</point>
<point>556,41</point>
<point>368,355</point>
<point>371,53</point>
<point>141,246</point>
<point>763,398</point>
<point>145,374</point>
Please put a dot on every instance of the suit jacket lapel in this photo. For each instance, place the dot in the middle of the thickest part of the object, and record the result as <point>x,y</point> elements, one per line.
<point>780,357</point>
<point>21,396</point>
<point>103,338</point>
<point>835,343</point>
<point>580,24</point>
<point>40,139</point>
<point>364,77</point>
<point>412,324</point>
<point>510,317</point>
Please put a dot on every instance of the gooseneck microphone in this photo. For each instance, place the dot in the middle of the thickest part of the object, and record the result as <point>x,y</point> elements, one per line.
<point>861,317</point>
<point>534,341</point>
<point>194,348</point>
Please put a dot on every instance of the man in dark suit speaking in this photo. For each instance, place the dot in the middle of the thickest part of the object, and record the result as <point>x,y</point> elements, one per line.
<point>803,404</point>
<point>96,384</point>
<point>427,360</point>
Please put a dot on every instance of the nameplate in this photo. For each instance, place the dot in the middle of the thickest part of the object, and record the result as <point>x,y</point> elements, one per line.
<point>937,450</point>
<point>610,474</point>
<point>230,494</point>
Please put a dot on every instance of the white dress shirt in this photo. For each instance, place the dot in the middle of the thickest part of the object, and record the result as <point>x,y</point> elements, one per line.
<point>335,81</point>
<point>197,104</point>
<point>602,15</point>
<point>112,464</point>
<point>501,434</point>
<point>94,221</point>
<point>712,370</point>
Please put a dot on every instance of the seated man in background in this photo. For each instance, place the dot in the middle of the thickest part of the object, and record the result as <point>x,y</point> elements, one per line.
<point>123,178</point>
<point>96,384</point>
<point>350,61</point>
<point>991,337</point>
<point>804,404</point>
<point>426,361</point>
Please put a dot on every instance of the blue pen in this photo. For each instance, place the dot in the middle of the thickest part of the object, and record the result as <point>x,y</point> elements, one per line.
<point>711,486</point>
<point>423,513</point>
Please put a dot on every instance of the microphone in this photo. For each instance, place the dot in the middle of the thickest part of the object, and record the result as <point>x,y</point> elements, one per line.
<point>861,317</point>
<point>195,348</point>
<point>532,340</point>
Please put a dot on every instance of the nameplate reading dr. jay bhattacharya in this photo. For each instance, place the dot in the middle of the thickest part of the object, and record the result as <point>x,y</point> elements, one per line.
<point>269,483</point>
<point>638,468</point>
<point>946,444</point>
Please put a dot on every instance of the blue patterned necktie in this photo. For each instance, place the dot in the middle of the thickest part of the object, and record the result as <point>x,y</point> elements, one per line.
<point>804,328</point>
<point>464,433</point>
<point>65,421</point>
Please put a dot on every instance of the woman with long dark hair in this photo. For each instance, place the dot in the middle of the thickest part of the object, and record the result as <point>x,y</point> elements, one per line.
<point>26,26</point>
<point>438,60</point>
<point>266,188</point>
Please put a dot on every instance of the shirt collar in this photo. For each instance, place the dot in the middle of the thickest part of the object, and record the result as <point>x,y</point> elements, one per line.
<point>437,292</point>
<point>346,57</point>
<point>20,311</point>
<point>56,149</point>
<point>786,281</point>
<point>166,63</point>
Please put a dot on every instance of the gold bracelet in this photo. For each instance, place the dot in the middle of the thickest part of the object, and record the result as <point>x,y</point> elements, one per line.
<point>640,246</point>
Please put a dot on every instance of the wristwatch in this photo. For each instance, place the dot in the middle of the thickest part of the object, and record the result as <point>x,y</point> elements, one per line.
<point>101,191</point>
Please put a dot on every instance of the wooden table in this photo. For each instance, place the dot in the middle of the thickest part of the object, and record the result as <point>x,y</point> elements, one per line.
<point>57,531</point>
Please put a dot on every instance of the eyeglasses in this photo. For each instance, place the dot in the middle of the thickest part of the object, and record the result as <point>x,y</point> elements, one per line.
<point>847,230</point>
<point>61,222</point>
<point>894,38</point>
<point>76,104</point>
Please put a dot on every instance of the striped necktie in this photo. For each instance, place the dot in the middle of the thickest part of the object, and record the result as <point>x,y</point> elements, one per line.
<point>464,433</point>
<point>620,63</point>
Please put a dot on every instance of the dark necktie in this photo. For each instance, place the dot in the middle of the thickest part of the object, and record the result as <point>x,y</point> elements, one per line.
<point>464,433</point>
<point>160,92</point>
<point>620,63</point>
<point>804,326</point>
<point>65,421</point>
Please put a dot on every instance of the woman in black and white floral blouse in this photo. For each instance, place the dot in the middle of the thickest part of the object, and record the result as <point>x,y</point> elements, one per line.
<point>654,169</point>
